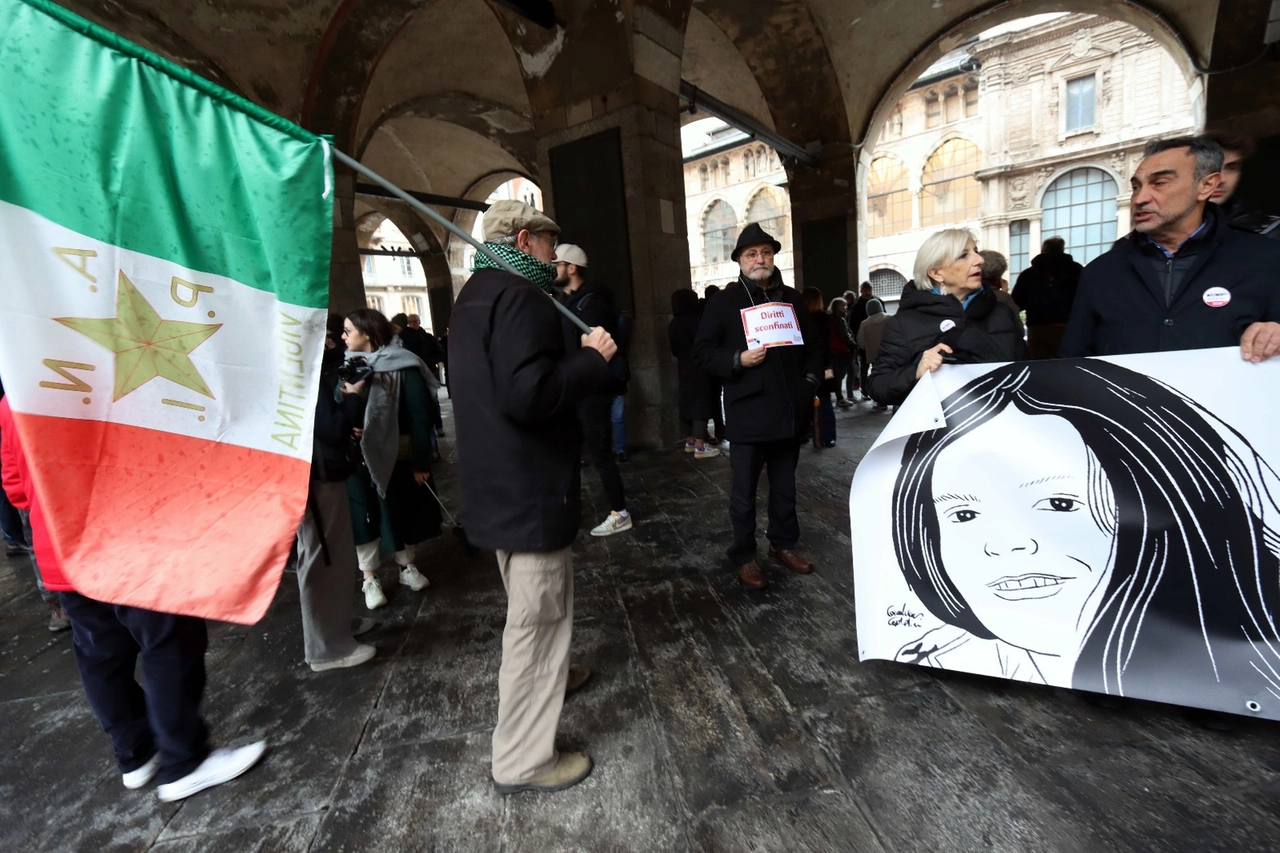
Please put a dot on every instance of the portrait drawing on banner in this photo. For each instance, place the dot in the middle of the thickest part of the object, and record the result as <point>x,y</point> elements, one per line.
<point>1081,524</point>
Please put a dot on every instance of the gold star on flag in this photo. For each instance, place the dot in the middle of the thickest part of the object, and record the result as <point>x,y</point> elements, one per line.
<point>145,345</point>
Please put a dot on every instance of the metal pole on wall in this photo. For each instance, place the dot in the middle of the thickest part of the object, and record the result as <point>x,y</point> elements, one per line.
<point>454,229</point>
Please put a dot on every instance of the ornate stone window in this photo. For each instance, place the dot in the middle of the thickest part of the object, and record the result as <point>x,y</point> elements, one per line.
<point>769,208</point>
<point>1080,207</point>
<point>719,232</point>
<point>888,198</point>
<point>950,194</point>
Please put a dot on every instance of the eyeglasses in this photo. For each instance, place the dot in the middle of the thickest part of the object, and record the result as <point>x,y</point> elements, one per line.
<point>757,254</point>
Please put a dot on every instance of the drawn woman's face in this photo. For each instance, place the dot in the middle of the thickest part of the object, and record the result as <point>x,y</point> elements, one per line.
<point>1022,546</point>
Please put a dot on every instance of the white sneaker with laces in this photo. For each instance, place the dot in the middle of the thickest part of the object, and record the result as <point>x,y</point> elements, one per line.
<point>222,765</point>
<point>412,578</point>
<point>706,453</point>
<point>362,653</point>
<point>615,523</point>
<point>373,596</point>
<point>135,779</point>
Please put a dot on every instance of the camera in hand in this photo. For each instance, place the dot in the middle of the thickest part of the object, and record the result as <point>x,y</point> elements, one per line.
<point>354,370</point>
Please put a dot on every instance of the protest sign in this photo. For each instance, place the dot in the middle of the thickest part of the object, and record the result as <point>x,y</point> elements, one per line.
<point>1102,524</point>
<point>772,324</point>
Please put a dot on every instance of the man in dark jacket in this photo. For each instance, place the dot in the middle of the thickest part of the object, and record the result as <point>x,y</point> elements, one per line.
<point>1241,215</point>
<point>1046,291</point>
<point>1183,279</point>
<point>768,398</point>
<point>516,390</point>
<point>592,302</point>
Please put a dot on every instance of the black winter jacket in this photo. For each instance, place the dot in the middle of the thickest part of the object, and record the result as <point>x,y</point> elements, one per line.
<point>985,331</point>
<point>335,455</point>
<point>515,393</point>
<point>773,400</point>
<point>1047,289</point>
<point>1121,305</point>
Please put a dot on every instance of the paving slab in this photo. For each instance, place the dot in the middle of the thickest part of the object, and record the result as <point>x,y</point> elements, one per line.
<point>720,718</point>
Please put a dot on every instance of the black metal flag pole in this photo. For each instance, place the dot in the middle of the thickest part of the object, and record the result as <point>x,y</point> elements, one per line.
<point>436,217</point>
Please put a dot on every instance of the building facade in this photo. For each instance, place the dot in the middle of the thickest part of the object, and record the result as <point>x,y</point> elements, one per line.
<point>729,181</point>
<point>1026,132</point>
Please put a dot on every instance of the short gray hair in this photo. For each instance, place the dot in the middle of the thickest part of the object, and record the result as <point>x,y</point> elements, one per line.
<point>994,266</point>
<point>939,249</point>
<point>504,240</point>
<point>1208,153</point>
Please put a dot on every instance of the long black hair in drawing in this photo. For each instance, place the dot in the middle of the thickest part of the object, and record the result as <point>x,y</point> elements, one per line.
<point>1188,615</point>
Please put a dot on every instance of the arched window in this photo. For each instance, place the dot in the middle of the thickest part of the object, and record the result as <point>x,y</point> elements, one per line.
<point>950,193</point>
<point>887,284</point>
<point>888,198</point>
<point>704,177</point>
<point>719,232</point>
<point>1080,207</point>
<point>763,162</point>
<point>724,172</point>
<point>769,208</point>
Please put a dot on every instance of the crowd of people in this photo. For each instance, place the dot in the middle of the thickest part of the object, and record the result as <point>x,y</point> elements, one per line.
<point>530,392</point>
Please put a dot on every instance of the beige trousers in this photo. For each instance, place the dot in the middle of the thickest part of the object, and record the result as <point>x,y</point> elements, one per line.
<point>535,661</point>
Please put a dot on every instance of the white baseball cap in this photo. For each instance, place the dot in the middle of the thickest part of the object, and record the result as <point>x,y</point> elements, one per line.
<point>571,254</point>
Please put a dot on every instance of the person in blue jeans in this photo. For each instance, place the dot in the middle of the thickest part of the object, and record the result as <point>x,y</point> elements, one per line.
<point>619,415</point>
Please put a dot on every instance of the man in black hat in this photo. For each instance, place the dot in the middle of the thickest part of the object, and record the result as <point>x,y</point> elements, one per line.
<point>768,398</point>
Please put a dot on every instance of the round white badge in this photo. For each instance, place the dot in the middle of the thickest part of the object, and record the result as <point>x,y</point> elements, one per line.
<point>948,325</point>
<point>1216,297</point>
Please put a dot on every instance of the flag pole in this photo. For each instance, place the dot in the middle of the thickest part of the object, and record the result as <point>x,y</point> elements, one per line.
<point>436,217</point>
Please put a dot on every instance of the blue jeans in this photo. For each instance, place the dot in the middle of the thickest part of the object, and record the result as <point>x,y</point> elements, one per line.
<point>619,424</point>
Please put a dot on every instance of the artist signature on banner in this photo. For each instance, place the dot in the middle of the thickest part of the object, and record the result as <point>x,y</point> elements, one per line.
<point>902,617</point>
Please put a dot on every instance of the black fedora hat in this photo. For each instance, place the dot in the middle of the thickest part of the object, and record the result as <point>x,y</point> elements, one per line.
<point>754,235</point>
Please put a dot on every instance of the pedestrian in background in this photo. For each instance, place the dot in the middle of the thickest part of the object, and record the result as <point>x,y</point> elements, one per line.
<point>695,386</point>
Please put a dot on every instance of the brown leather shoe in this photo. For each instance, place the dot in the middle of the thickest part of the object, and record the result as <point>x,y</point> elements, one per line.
<point>752,575</point>
<point>793,561</point>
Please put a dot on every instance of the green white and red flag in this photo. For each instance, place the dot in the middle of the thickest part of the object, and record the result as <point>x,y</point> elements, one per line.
<point>164,265</point>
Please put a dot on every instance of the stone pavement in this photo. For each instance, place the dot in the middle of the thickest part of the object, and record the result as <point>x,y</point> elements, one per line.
<point>719,718</point>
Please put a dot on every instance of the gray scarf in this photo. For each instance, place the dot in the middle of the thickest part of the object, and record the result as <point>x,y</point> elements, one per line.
<point>380,442</point>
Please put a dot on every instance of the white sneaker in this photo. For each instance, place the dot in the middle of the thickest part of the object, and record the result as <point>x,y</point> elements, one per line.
<point>362,653</point>
<point>373,597</point>
<point>412,578</point>
<point>135,779</point>
<point>706,453</point>
<point>222,765</point>
<point>615,523</point>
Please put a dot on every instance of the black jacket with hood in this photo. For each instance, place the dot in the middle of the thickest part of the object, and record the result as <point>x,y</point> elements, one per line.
<point>984,331</point>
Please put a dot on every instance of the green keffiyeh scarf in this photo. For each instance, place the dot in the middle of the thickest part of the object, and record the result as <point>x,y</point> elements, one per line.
<point>543,275</point>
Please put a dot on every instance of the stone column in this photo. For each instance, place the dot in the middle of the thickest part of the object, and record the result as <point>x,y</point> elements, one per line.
<point>646,119</point>
<point>824,211</point>
<point>346,284</point>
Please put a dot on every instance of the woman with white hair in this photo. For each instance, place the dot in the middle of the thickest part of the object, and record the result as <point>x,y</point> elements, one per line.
<point>945,314</point>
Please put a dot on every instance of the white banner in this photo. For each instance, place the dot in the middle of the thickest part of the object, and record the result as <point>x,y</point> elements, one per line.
<point>772,324</point>
<point>1104,524</point>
